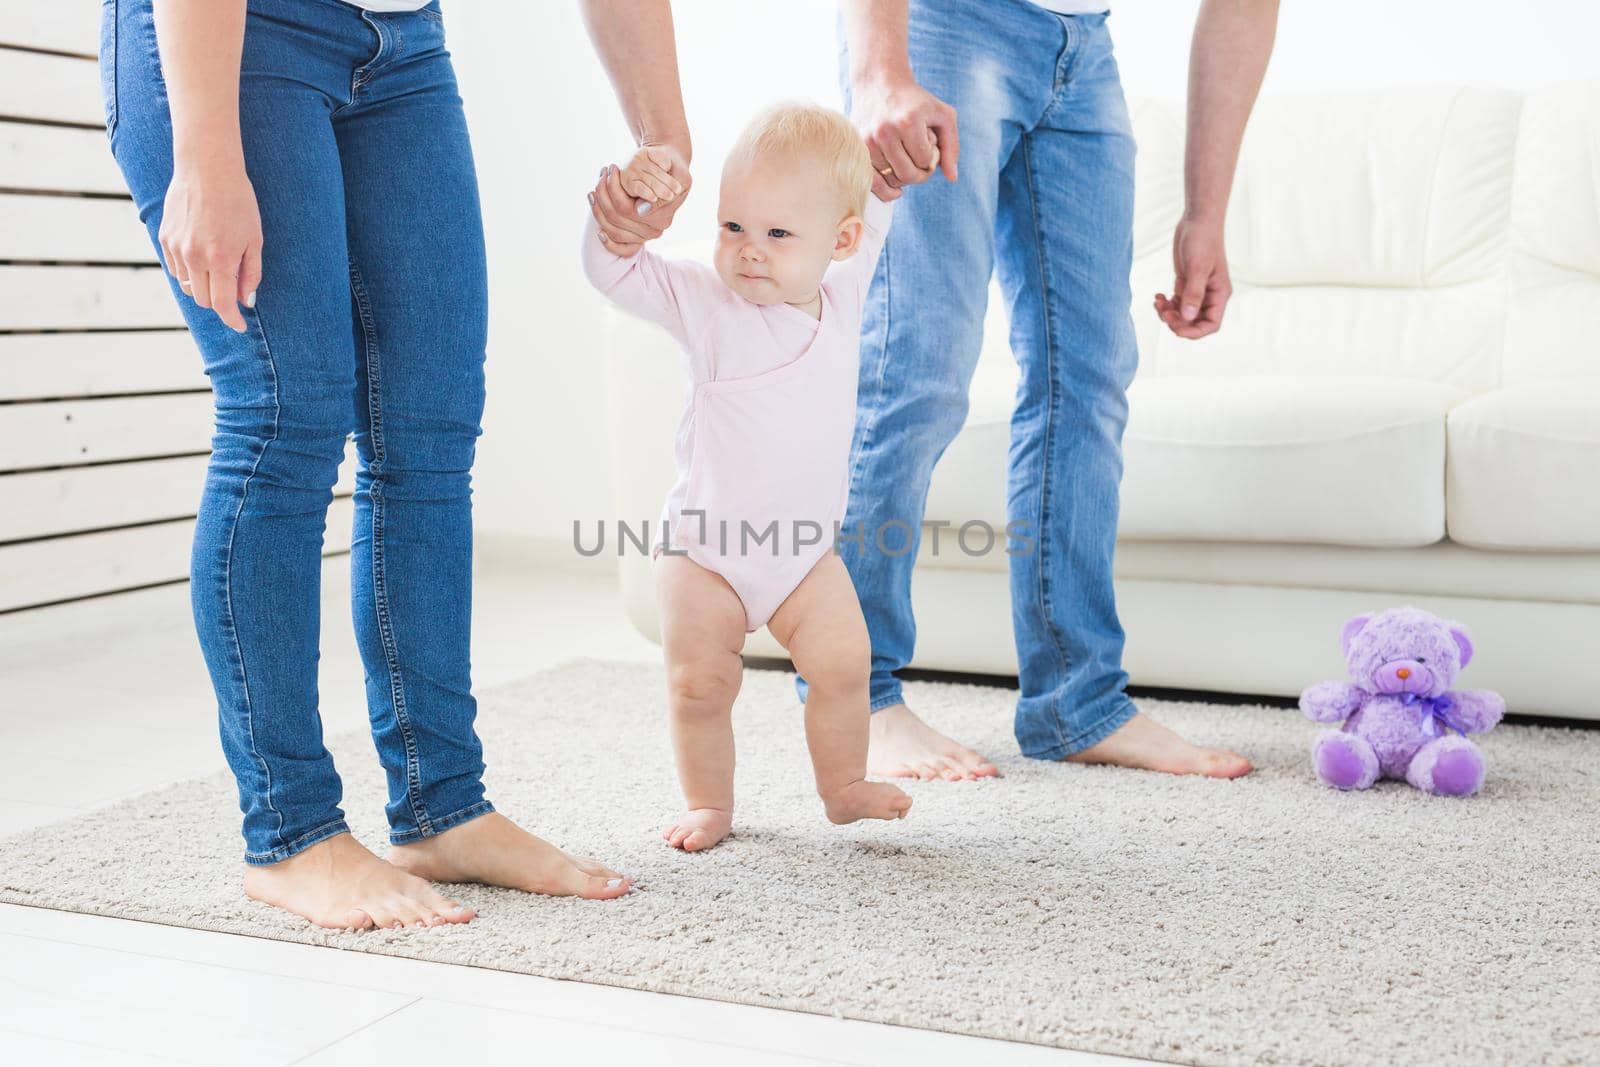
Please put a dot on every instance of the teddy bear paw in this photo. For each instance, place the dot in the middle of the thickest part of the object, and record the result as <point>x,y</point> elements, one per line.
<point>1344,761</point>
<point>1448,766</point>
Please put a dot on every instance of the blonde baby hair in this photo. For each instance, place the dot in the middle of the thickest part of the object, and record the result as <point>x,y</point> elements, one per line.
<point>796,128</point>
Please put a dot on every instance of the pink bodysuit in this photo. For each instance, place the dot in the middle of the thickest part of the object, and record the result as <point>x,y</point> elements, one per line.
<point>763,446</point>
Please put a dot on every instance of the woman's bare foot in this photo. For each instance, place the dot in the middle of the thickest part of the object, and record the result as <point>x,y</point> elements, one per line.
<point>339,884</point>
<point>903,746</point>
<point>866,800</point>
<point>493,850</point>
<point>1144,744</point>
<point>698,828</point>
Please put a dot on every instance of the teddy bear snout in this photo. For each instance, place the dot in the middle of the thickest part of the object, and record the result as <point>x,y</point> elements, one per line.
<point>1404,676</point>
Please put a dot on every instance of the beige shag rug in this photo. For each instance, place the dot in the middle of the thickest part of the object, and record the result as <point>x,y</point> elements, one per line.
<point>1266,920</point>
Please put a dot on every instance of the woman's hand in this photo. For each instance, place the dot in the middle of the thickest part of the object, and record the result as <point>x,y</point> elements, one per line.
<point>636,204</point>
<point>657,175</point>
<point>910,133</point>
<point>211,237</point>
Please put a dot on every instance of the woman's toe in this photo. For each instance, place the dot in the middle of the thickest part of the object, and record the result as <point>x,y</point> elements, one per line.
<point>590,865</point>
<point>592,886</point>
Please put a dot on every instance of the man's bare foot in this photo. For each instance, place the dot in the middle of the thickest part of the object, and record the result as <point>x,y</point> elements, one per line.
<point>903,746</point>
<point>493,850</point>
<point>866,800</point>
<point>1144,744</point>
<point>698,828</point>
<point>339,884</point>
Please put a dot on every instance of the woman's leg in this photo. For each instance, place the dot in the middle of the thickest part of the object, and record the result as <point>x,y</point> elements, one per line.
<point>279,435</point>
<point>418,277</point>
<point>282,393</point>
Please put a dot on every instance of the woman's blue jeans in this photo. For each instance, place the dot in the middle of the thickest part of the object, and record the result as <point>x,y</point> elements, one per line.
<point>1045,198</point>
<point>370,319</point>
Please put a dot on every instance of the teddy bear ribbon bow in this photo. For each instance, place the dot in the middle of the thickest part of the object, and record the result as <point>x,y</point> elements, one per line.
<point>1435,713</point>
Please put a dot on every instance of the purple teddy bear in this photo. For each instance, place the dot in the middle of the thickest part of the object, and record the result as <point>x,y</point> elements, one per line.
<point>1399,719</point>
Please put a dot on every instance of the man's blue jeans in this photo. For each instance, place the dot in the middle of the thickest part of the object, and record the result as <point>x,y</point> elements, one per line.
<point>370,319</point>
<point>1045,197</point>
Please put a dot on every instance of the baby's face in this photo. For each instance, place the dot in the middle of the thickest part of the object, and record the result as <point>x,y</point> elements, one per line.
<point>778,229</point>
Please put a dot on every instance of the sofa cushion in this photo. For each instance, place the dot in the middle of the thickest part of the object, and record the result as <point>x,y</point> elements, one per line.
<point>1367,234</point>
<point>1553,326</point>
<point>1524,467</point>
<point>1350,461</point>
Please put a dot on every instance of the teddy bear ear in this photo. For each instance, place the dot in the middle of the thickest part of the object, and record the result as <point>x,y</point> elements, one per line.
<point>1463,642</point>
<point>1352,628</point>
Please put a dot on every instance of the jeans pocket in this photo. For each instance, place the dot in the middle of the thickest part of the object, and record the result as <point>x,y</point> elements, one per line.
<point>108,63</point>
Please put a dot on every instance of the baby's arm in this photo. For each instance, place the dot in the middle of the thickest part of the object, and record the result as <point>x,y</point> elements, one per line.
<point>671,293</point>
<point>855,274</point>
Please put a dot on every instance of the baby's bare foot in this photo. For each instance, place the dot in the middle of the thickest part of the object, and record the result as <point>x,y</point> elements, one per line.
<point>866,800</point>
<point>339,884</point>
<point>698,828</point>
<point>1144,744</point>
<point>493,850</point>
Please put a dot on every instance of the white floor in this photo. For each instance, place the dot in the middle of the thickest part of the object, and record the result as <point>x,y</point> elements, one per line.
<point>103,699</point>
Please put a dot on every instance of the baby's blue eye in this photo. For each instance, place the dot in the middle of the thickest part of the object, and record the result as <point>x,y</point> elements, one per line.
<point>777,233</point>
<point>733,227</point>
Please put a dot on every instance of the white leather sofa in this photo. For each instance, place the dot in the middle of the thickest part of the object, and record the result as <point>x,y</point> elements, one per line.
<point>1403,406</point>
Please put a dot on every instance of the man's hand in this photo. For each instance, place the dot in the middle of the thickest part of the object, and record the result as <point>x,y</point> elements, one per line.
<point>1227,60</point>
<point>1200,284</point>
<point>910,133</point>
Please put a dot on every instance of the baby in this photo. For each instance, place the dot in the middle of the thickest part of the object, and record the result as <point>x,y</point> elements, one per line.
<point>770,338</point>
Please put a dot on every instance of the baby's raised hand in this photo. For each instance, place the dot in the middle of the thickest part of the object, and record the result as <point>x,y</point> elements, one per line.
<point>656,175</point>
<point>618,225</point>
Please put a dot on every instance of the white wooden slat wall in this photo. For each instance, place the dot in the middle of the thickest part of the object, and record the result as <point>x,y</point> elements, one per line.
<point>105,412</point>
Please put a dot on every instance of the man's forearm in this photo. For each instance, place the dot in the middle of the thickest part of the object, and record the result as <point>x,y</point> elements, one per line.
<point>635,43</point>
<point>1227,60</point>
<point>875,31</point>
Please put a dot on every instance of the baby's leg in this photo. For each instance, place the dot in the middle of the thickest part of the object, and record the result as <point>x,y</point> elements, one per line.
<point>820,623</point>
<point>702,633</point>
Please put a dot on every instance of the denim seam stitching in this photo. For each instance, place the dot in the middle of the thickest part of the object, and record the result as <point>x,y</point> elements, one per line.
<point>116,63</point>
<point>1049,423</point>
<point>227,574</point>
<point>1086,738</point>
<point>311,837</point>
<point>443,823</point>
<point>380,592</point>
<point>886,702</point>
<point>871,422</point>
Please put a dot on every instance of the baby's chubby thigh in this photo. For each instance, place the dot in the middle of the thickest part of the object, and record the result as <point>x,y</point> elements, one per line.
<point>821,626</point>
<point>702,624</point>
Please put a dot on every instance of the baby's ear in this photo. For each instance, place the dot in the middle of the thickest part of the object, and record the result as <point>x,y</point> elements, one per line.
<point>848,237</point>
